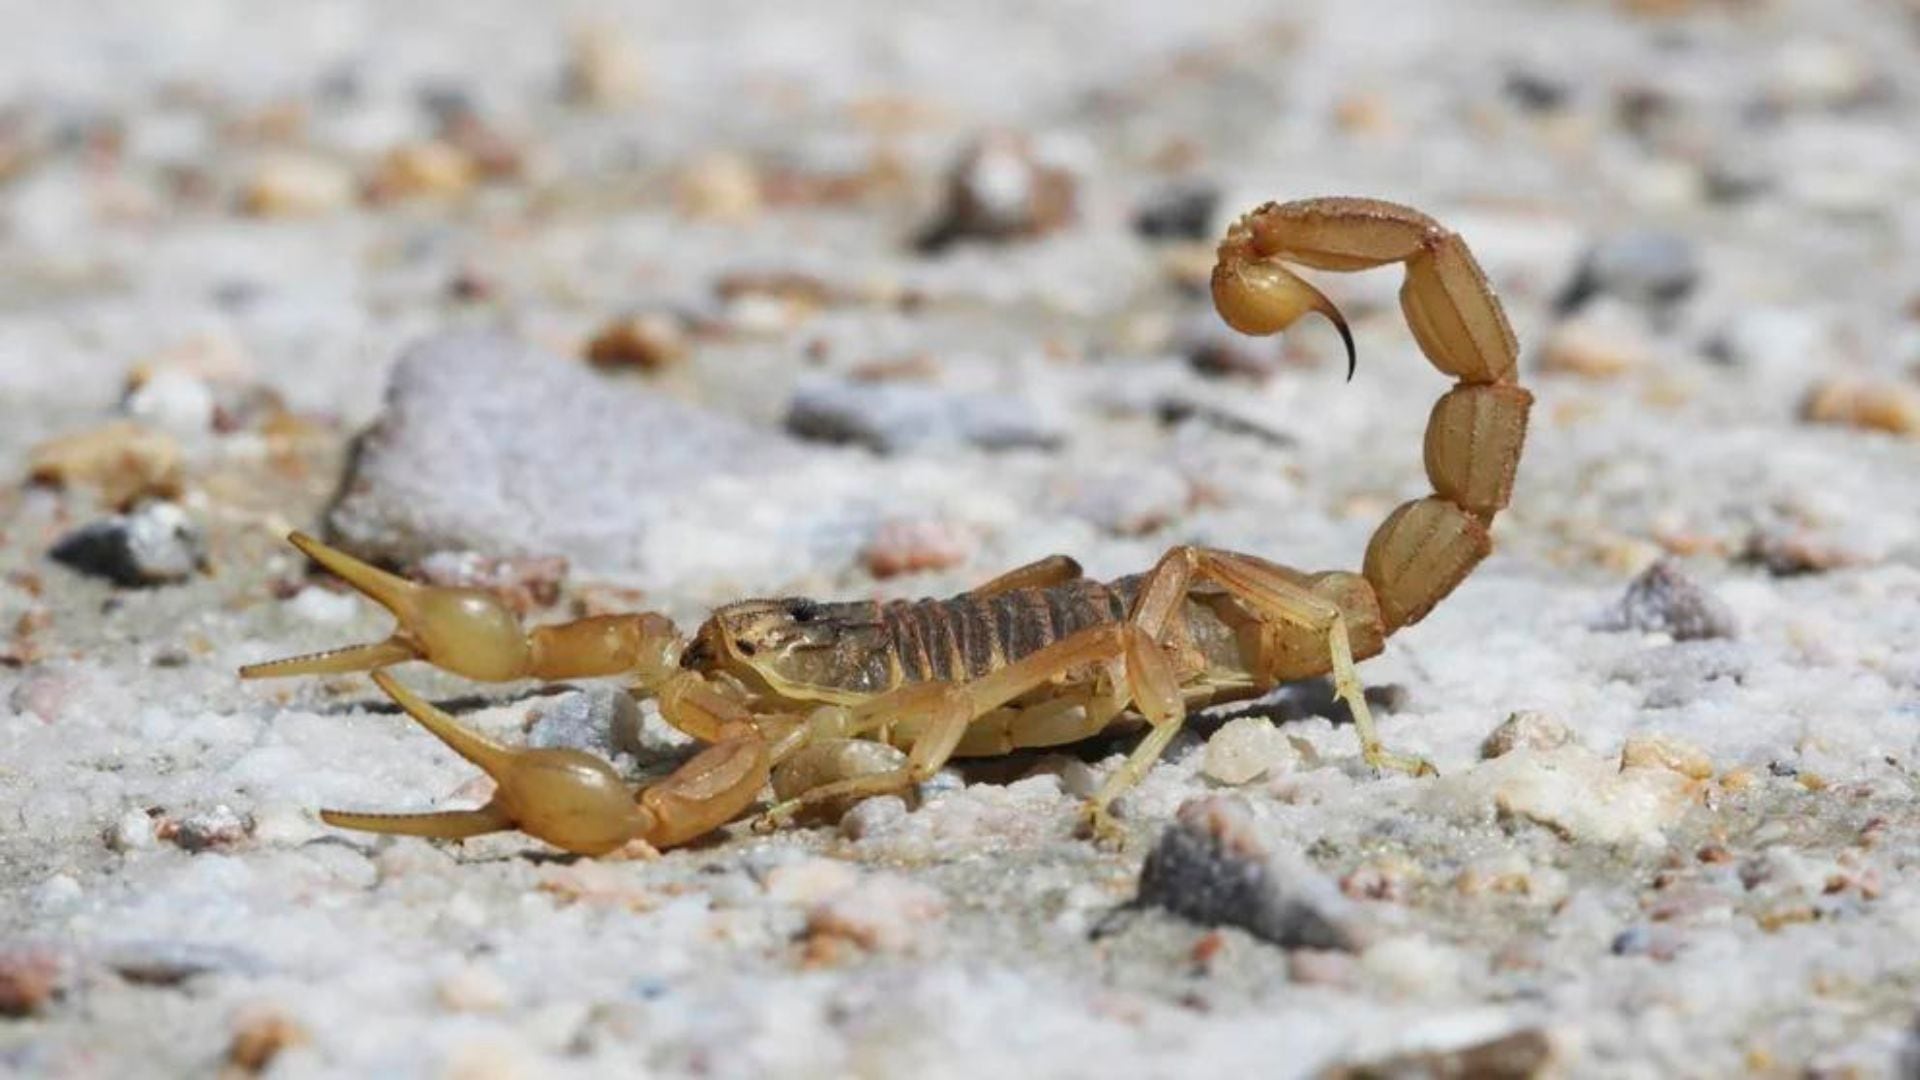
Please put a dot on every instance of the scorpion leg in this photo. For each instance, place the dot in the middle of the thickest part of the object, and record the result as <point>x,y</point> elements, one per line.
<point>1039,574</point>
<point>943,711</point>
<point>1280,597</point>
<point>571,799</point>
<point>471,633</point>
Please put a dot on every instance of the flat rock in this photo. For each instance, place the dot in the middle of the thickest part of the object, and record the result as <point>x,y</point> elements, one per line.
<point>488,445</point>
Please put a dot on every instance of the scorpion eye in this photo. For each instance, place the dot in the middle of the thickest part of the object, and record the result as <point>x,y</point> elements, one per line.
<point>802,611</point>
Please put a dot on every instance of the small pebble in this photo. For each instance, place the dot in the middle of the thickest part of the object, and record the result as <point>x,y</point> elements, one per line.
<point>1178,211</point>
<point>1595,347</point>
<point>882,912</point>
<point>810,881</point>
<point>1791,553</point>
<point>424,170</point>
<point>174,402</point>
<point>998,190</point>
<point>473,988</point>
<point>893,418</point>
<point>30,977</point>
<point>1413,965</point>
<point>1213,867</point>
<point>1646,267</point>
<point>221,826</point>
<point>1663,752</point>
<point>647,342</point>
<point>1664,599</point>
<point>170,962</point>
<point>602,720</point>
<point>132,831</point>
<point>1869,404</point>
<point>260,1034</point>
<point>1527,729</point>
<point>1245,749</point>
<point>720,187</point>
<point>873,817</point>
<point>296,185</point>
<point>58,891</point>
<point>124,461</point>
<point>1577,794</point>
<point>156,544</point>
<point>1656,941</point>
<point>1521,1055</point>
<point>911,546</point>
<point>606,68</point>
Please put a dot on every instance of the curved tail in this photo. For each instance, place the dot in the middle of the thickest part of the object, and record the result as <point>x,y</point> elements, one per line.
<point>1427,546</point>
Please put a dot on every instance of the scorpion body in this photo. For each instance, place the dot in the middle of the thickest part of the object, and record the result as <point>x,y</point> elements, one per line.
<point>822,698</point>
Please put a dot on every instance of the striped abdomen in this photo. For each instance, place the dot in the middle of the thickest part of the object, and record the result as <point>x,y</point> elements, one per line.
<point>966,637</point>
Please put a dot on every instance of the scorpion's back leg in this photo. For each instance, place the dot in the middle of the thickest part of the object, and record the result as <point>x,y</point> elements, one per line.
<point>1312,625</point>
<point>942,711</point>
<point>1039,574</point>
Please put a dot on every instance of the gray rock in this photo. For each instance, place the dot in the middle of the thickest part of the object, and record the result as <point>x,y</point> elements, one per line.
<point>155,544</point>
<point>1000,189</point>
<point>490,446</point>
<point>602,720</point>
<point>895,418</point>
<point>219,827</point>
<point>1178,211</point>
<point>1646,266</point>
<point>1212,866</point>
<point>1664,599</point>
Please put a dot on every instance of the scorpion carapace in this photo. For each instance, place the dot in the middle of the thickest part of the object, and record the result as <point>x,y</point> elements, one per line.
<point>816,696</point>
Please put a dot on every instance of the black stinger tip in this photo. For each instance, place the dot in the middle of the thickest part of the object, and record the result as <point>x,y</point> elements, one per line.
<point>1346,336</point>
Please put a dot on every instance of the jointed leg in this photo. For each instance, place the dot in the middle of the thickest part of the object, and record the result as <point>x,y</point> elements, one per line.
<point>943,711</point>
<point>471,633</point>
<point>1281,598</point>
<point>1052,570</point>
<point>572,799</point>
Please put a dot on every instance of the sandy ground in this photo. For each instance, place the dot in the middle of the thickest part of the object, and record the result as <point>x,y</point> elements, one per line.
<point>1690,851</point>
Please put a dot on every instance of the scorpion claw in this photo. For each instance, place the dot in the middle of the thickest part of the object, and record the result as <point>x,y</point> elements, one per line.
<point>466,631</point>
<point>570,799</point>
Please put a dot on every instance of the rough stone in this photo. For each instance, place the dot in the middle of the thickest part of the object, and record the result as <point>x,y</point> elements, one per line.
<point>155,544</point>
<point>1665,599</point>
<point>1214,867</point>
<point>486,445</point>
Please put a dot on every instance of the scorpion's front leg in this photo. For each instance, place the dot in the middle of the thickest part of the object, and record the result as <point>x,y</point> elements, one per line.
<point>574,800</point>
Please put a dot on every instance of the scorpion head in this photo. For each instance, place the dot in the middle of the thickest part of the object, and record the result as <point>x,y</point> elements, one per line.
<point>799,647</point>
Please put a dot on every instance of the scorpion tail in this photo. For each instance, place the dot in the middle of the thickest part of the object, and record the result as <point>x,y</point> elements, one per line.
<point>1474,437</point>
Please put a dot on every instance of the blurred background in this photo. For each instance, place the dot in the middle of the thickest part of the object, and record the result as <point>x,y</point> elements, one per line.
<point>654,306</point>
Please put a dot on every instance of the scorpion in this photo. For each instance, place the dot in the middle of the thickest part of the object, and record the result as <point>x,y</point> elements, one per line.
<point>832,702</point>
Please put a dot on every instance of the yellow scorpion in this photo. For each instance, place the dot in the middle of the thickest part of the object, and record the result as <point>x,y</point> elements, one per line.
<point>822,698</point>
